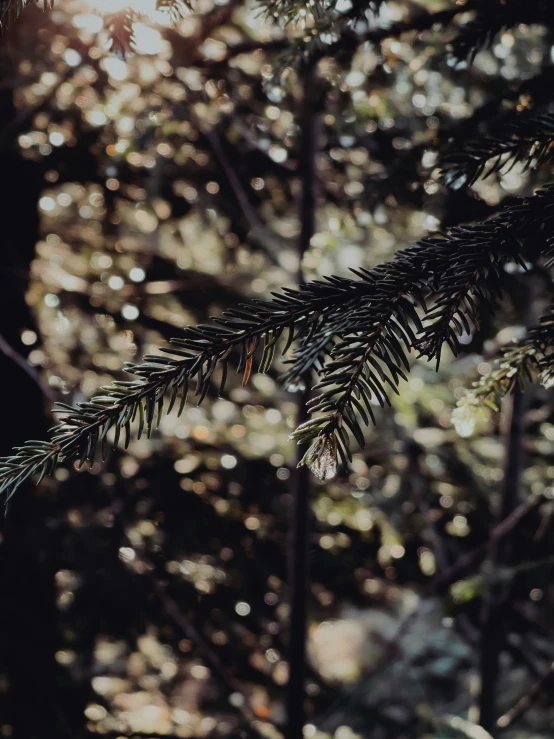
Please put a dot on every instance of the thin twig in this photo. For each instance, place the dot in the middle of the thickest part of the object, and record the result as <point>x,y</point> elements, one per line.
<point>501,530</point>
<point>11,353</point>
<point>260,233</point>
<point>527,701</point>
<point>207,654</point>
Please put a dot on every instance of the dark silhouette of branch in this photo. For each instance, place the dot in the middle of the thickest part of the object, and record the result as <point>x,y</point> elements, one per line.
<point>260,233</point>
<point>349,39</point>
<point>505,527</point>
<point>172,609</point>
<point>10,352</point>
<point>527,701</point>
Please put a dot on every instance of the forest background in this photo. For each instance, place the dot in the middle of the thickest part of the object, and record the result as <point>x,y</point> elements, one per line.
<point>161,167</point>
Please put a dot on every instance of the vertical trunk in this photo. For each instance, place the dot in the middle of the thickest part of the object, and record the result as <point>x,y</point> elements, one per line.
<point>497,600</point>
<point>20,224</point>
<point>31,703</point>
<point>299,575</point>
<point>500,554</point>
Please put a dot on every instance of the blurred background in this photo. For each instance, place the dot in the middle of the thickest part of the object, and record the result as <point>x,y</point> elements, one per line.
<point>149,181</point>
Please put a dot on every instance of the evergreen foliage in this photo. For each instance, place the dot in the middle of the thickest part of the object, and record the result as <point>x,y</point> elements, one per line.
<point>494,16</point>
<point>524,138</point>
<point>354,335</point>
<point>391,119</point>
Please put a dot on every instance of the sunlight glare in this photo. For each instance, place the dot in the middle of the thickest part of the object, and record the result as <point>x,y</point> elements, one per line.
<point>88,22</point>
<point>144,8</point>
<point>147,40</point>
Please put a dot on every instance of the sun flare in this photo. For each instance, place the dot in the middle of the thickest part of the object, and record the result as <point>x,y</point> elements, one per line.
<point>91,15</point>
<point>143,7</point>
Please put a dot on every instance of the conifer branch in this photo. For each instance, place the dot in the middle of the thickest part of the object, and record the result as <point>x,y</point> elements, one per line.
<point>376,324</point>
<point>10,10</point>
<point>460,271</point>
<point>526,139</point>
<point>294,10</point>
<point>196,357</point>
<point>523,361</point>
<point>494,16</point>
<point>118,24</point>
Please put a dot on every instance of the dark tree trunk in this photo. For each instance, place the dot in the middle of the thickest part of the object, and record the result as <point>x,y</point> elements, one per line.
<point>33,695</point>
<point>299,556</point>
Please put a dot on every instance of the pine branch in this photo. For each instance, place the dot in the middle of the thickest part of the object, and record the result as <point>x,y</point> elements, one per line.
<point>375,319</point>
<point>196,357</point>
<point>460,271</point>
<point>472,277</point>
<point>175,8</point>
<point>309,356</point>
<point>494,16</point>
<point>455,262</point>
<point>512,370</point>
<point>294,11</point>
<point>541,339</point>
<point>334,35</point>
<point>367,358</point>
<point>526,139</point>
<point>10,10</point>
<point>120,25</point>
<point>530,357</point>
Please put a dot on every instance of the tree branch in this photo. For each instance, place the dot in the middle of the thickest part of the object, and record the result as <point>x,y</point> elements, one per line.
<point>10,352</point>
<point>428,269</point>
<point>527,701</point>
